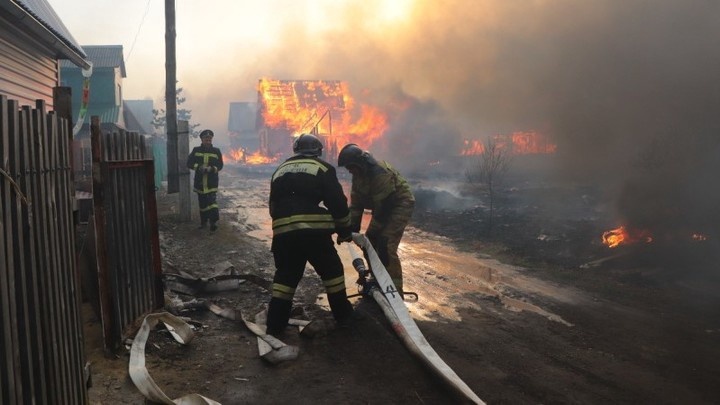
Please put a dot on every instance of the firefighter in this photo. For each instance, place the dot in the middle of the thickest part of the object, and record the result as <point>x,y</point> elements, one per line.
<point>378,187</point>
<point>302,231</point>
<point>207,161</point>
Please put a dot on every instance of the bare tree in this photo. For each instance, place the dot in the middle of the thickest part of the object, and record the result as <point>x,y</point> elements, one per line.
<point>160,120</point>
<point>489,171</point>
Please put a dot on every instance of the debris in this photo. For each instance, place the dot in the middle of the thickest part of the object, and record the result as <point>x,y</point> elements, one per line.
<point>270,348</point>
<point>189,285</point>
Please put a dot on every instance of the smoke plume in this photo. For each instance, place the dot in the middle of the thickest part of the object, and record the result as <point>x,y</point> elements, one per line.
<point>629,91</point>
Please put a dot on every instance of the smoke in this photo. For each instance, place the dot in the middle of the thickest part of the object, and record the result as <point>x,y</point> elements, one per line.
<point>605,80</point>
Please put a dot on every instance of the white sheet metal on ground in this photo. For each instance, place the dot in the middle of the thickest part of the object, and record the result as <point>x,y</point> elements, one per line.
<point>394,308</point>
<point>183,333</point>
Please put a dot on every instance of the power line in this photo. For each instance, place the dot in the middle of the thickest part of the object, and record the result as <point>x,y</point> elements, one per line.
<point>142,21</point>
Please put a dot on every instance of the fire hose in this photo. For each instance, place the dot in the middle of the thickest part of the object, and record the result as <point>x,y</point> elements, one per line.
<point>377,283</point>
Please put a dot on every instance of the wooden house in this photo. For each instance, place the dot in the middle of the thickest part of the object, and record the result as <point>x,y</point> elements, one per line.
<point>32,41</point>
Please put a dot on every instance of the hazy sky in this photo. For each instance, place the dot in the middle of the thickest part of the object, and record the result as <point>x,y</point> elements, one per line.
<point>223,46</point>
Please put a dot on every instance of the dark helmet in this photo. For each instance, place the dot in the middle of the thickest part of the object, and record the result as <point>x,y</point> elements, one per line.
<point>351,154</point>
<point>206,133</point>
<point>307,145</point>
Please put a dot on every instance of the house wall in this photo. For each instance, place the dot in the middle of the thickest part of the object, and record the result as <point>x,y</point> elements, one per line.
<point>28,69</point>
<point>103,92</point>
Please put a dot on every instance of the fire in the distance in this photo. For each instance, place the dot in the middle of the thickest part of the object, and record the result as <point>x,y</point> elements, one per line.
<point>624,236</point>
<point>292,107</point>
<point>239,155</point>
<point>520,143</point>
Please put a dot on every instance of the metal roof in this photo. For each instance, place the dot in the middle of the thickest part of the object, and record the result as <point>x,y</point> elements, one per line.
<point>40,17</point>
<point>103,56</point>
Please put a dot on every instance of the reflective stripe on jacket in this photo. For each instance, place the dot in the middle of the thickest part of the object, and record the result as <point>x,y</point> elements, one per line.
<point>297,188</point>
<point>211,157</point>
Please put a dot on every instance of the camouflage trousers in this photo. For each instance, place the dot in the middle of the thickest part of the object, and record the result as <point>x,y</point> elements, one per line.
<point>385,237</point>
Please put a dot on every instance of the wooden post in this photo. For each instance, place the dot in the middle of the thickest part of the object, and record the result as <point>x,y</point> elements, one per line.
<point>171,98</point>
<point>62,100</point>
<point>183,144</point>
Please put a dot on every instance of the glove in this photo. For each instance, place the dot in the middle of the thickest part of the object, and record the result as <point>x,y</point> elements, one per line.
<point>344,237</point>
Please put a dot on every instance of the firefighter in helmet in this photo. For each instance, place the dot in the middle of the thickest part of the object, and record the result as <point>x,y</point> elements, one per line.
<point>302,231</point>
<point>206,160</point>
<point>378,187</point>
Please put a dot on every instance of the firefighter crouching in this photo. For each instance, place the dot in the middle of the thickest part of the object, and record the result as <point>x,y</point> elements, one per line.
<point>206,160</point>
<point>302,231</point>
<point>379,187</point>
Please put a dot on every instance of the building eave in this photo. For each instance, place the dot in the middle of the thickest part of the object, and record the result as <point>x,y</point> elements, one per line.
<point>64,47</point>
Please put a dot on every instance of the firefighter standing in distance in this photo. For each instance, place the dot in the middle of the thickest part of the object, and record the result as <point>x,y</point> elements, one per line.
<point>207,161</point>
<point>379,187</point>
<point>302,231</point>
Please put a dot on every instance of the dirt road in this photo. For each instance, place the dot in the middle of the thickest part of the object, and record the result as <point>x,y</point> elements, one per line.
<point>628,331</point>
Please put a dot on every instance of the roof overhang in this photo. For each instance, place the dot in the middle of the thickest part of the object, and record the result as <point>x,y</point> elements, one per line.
<point>63,46</point>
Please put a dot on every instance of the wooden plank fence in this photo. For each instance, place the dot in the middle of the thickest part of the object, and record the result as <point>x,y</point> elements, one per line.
<point>42,357</point>
<point>129,270</point>
<point>41,351</point>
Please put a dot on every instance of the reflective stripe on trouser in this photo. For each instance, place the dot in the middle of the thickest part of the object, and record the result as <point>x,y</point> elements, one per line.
<point>386,240</point>
<point>208,207</point>
<point>291,252</point>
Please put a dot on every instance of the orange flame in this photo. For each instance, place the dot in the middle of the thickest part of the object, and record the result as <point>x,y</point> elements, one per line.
<point>522,143</point>
<point>621,236</point>
<point>321,107</point>
<point>258,158</point>
<point>237,155</point>
<point>532,142</point>
<point>472,148</point>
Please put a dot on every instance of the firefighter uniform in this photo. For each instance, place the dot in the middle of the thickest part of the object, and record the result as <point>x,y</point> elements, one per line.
<point>378,187</point>
<point>206,160</point>
<point>302,233</point>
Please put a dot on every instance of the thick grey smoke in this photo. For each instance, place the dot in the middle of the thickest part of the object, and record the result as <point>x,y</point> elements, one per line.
<point>629,90</point>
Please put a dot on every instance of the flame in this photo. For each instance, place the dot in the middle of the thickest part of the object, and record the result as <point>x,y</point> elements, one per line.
<point>237,155</point>
<point>315,106</point>
<point>522,143</point>
<point>473,147</point>
<point>532,142</point>
<point>258,158</point>
<point>621,236</point>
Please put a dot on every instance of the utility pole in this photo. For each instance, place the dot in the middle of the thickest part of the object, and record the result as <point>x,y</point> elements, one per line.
<point>170,98</point>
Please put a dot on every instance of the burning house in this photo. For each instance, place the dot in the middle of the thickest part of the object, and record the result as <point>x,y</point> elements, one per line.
<point>288,108</point>
<point>292,107</point>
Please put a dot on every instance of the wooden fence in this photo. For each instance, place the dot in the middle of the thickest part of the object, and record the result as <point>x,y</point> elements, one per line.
<point>129,271</point>
<point>42,357</point>
<point>41,350</point>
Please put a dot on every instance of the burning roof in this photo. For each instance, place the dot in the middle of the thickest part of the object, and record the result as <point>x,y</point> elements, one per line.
<point>323,107</point>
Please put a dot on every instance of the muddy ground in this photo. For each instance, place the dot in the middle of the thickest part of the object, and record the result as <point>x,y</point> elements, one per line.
<point>533,310</point>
